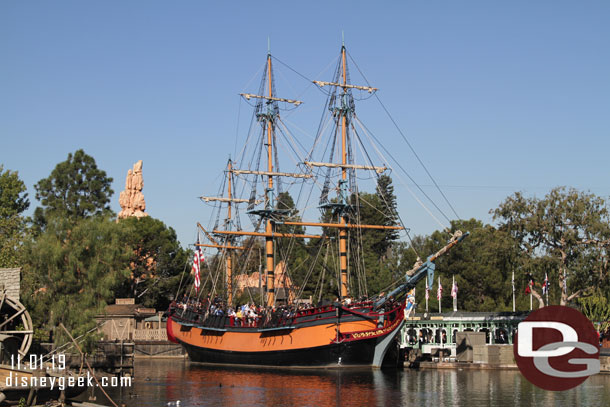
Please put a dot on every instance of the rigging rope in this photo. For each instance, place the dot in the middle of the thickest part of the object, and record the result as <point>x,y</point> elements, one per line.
<point>409,176</point>
<point>321,280</point>
<point>408,143</point>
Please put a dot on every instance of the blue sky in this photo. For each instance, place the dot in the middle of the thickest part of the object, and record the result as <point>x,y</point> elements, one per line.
<point>495,97</point>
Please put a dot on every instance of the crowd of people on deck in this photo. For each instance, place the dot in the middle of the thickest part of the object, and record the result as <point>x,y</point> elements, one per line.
<point>248,314</point>
<point>251,315</point>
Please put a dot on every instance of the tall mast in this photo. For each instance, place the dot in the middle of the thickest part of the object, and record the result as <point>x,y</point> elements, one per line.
<point>343,187</point>
<point>268,198</point>
<point>229,252</point>
<point>266,113</point>
<point>228,246</point>
<point>343,112</point>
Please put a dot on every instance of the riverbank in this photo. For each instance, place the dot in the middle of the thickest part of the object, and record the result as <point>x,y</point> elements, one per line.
<point>459,365</point>
<point>604,361</point>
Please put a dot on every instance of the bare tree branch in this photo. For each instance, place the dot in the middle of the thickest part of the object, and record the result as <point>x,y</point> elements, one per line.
<point>538,297</point>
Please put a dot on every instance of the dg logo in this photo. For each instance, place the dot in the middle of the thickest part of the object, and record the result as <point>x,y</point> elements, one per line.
<point>556,348</point>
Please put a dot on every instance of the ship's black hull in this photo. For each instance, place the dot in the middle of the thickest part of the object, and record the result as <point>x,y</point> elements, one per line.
<point>354,353</point>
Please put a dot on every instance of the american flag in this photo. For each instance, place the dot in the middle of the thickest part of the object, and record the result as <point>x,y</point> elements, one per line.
<point>197,260</point>
<point>427,290</point>
<point>439,292</point>
<point>454,289</point>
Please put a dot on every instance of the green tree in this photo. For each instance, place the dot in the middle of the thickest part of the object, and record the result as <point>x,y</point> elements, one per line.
<point>156,261</point>
<point>387,198</point>
<point>72,272</point>
<point>372,248</point>
<point>13,195</point>
<point>373,264</point>
<point>481,265</point>
<point>75,189</point>
<point>567,229</point>
<point>597,308</point>
<point>13,202</point>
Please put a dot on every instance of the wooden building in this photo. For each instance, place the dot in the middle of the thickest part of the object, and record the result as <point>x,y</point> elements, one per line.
<point>130,322</point>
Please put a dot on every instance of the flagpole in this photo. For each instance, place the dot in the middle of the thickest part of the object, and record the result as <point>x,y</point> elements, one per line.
<point>439,296</point>
<point>545,289</point>
<point>427,294</point>
<point>454,295</point>
<point>513,291</point>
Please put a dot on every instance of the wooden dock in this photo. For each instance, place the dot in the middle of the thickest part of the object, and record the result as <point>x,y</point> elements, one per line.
<point>114,357</point>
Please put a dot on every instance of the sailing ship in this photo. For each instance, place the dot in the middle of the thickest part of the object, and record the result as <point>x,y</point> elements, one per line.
<point>349,331</point>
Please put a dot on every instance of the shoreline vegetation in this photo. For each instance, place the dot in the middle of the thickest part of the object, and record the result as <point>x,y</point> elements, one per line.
<point>76,258</point>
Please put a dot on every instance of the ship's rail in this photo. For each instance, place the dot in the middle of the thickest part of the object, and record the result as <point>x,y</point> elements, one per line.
<point>195,315</point>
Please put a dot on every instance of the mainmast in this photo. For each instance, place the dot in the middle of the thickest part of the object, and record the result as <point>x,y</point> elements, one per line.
<point>343,182</point>
<point>269,226</point>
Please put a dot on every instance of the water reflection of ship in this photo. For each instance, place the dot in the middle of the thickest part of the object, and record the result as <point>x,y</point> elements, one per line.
<point>343,333</point>
<point>163,382</point>
<point>249,387</point>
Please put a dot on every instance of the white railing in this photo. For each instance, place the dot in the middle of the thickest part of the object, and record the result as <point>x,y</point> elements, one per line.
<point>150,335</point>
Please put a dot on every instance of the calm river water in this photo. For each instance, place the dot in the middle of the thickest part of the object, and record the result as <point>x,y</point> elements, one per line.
<point>164,382</point>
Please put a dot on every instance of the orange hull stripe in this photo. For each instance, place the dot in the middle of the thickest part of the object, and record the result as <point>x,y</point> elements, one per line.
<point>299,338</point>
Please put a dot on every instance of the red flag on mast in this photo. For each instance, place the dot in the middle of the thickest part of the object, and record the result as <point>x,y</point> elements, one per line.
<point>530,284</point>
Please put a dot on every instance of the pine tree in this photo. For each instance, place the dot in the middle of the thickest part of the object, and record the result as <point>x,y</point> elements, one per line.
<point>75,189</point>
<point>385,192</point>
<point>156,261</point>
<point>13,202</point>
<point>72,272</point>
